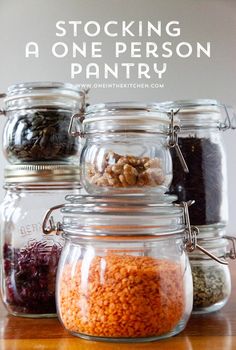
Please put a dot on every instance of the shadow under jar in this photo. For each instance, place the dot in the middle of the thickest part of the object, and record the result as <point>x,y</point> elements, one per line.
<point>29,258</point>
<point>38,118</point>
<point>126,149</point>
<point>200,140</point>
<point>123,274</point>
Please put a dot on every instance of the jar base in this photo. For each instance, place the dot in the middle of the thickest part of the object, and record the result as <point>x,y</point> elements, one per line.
<point>206,310</point>
<point>126,191</point>
<point>179,328</point>
<point>18,314</point>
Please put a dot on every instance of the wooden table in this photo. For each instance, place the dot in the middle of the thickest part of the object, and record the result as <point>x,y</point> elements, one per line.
<point>216,331</point>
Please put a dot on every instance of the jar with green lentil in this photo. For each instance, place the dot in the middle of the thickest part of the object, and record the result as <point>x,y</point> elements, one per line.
<point>211,279</point>
<point>124,273</point>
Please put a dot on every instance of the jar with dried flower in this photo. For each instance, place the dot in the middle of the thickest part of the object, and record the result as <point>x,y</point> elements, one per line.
<point>29,258</point>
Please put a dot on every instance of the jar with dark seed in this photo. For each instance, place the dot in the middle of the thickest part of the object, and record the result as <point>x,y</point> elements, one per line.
<point>201,143</point>
<point>38,119</point>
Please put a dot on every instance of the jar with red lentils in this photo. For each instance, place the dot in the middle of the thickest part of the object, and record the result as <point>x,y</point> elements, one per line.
<point>124,273</point>
<point>126,148</point>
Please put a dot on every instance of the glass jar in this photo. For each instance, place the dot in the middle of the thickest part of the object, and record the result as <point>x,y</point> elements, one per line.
<point>28,257</point>
<point>38,117</point>
<point>211,279</point>
<point>126,149</point>
<point>200,141</point>
<point>124,274</point>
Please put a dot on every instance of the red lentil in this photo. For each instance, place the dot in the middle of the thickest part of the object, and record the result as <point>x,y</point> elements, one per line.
<point>122,296</point>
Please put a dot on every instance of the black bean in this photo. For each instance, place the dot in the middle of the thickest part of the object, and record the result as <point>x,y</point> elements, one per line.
<point>204,181</point>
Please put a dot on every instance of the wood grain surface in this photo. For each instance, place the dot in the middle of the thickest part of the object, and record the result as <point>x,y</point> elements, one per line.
<point>216,331</point>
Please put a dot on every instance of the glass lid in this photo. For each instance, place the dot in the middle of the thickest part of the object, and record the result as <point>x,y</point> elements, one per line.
<point>126,116</point>
<point>122,215</point>
<point>41,89</point>
<point>44,95</point>
<point>202,113</point>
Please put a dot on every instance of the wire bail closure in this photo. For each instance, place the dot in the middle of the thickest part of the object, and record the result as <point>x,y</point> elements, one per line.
<point>191,233</point>
<point>232,253</point>
<point>230,120</point>
<point>79,117</point>
<point>2,110</point>
<point>173,142</point>
<point>49,226</point>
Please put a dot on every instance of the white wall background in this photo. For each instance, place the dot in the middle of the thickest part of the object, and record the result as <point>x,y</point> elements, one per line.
<point>201,20</point>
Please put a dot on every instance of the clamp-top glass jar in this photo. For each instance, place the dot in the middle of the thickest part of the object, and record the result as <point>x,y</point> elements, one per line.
<point>38,117</point>
<point>28,257</point>
<point>126,148</point>
<point>124,274</point>
<point>211,278</point>
<point>200,141</point>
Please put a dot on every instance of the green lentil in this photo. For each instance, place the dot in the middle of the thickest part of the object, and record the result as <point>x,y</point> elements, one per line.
<point>209,286</point>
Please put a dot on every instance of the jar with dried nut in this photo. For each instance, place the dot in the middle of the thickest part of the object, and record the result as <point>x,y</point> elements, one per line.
<point>126,149</point>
